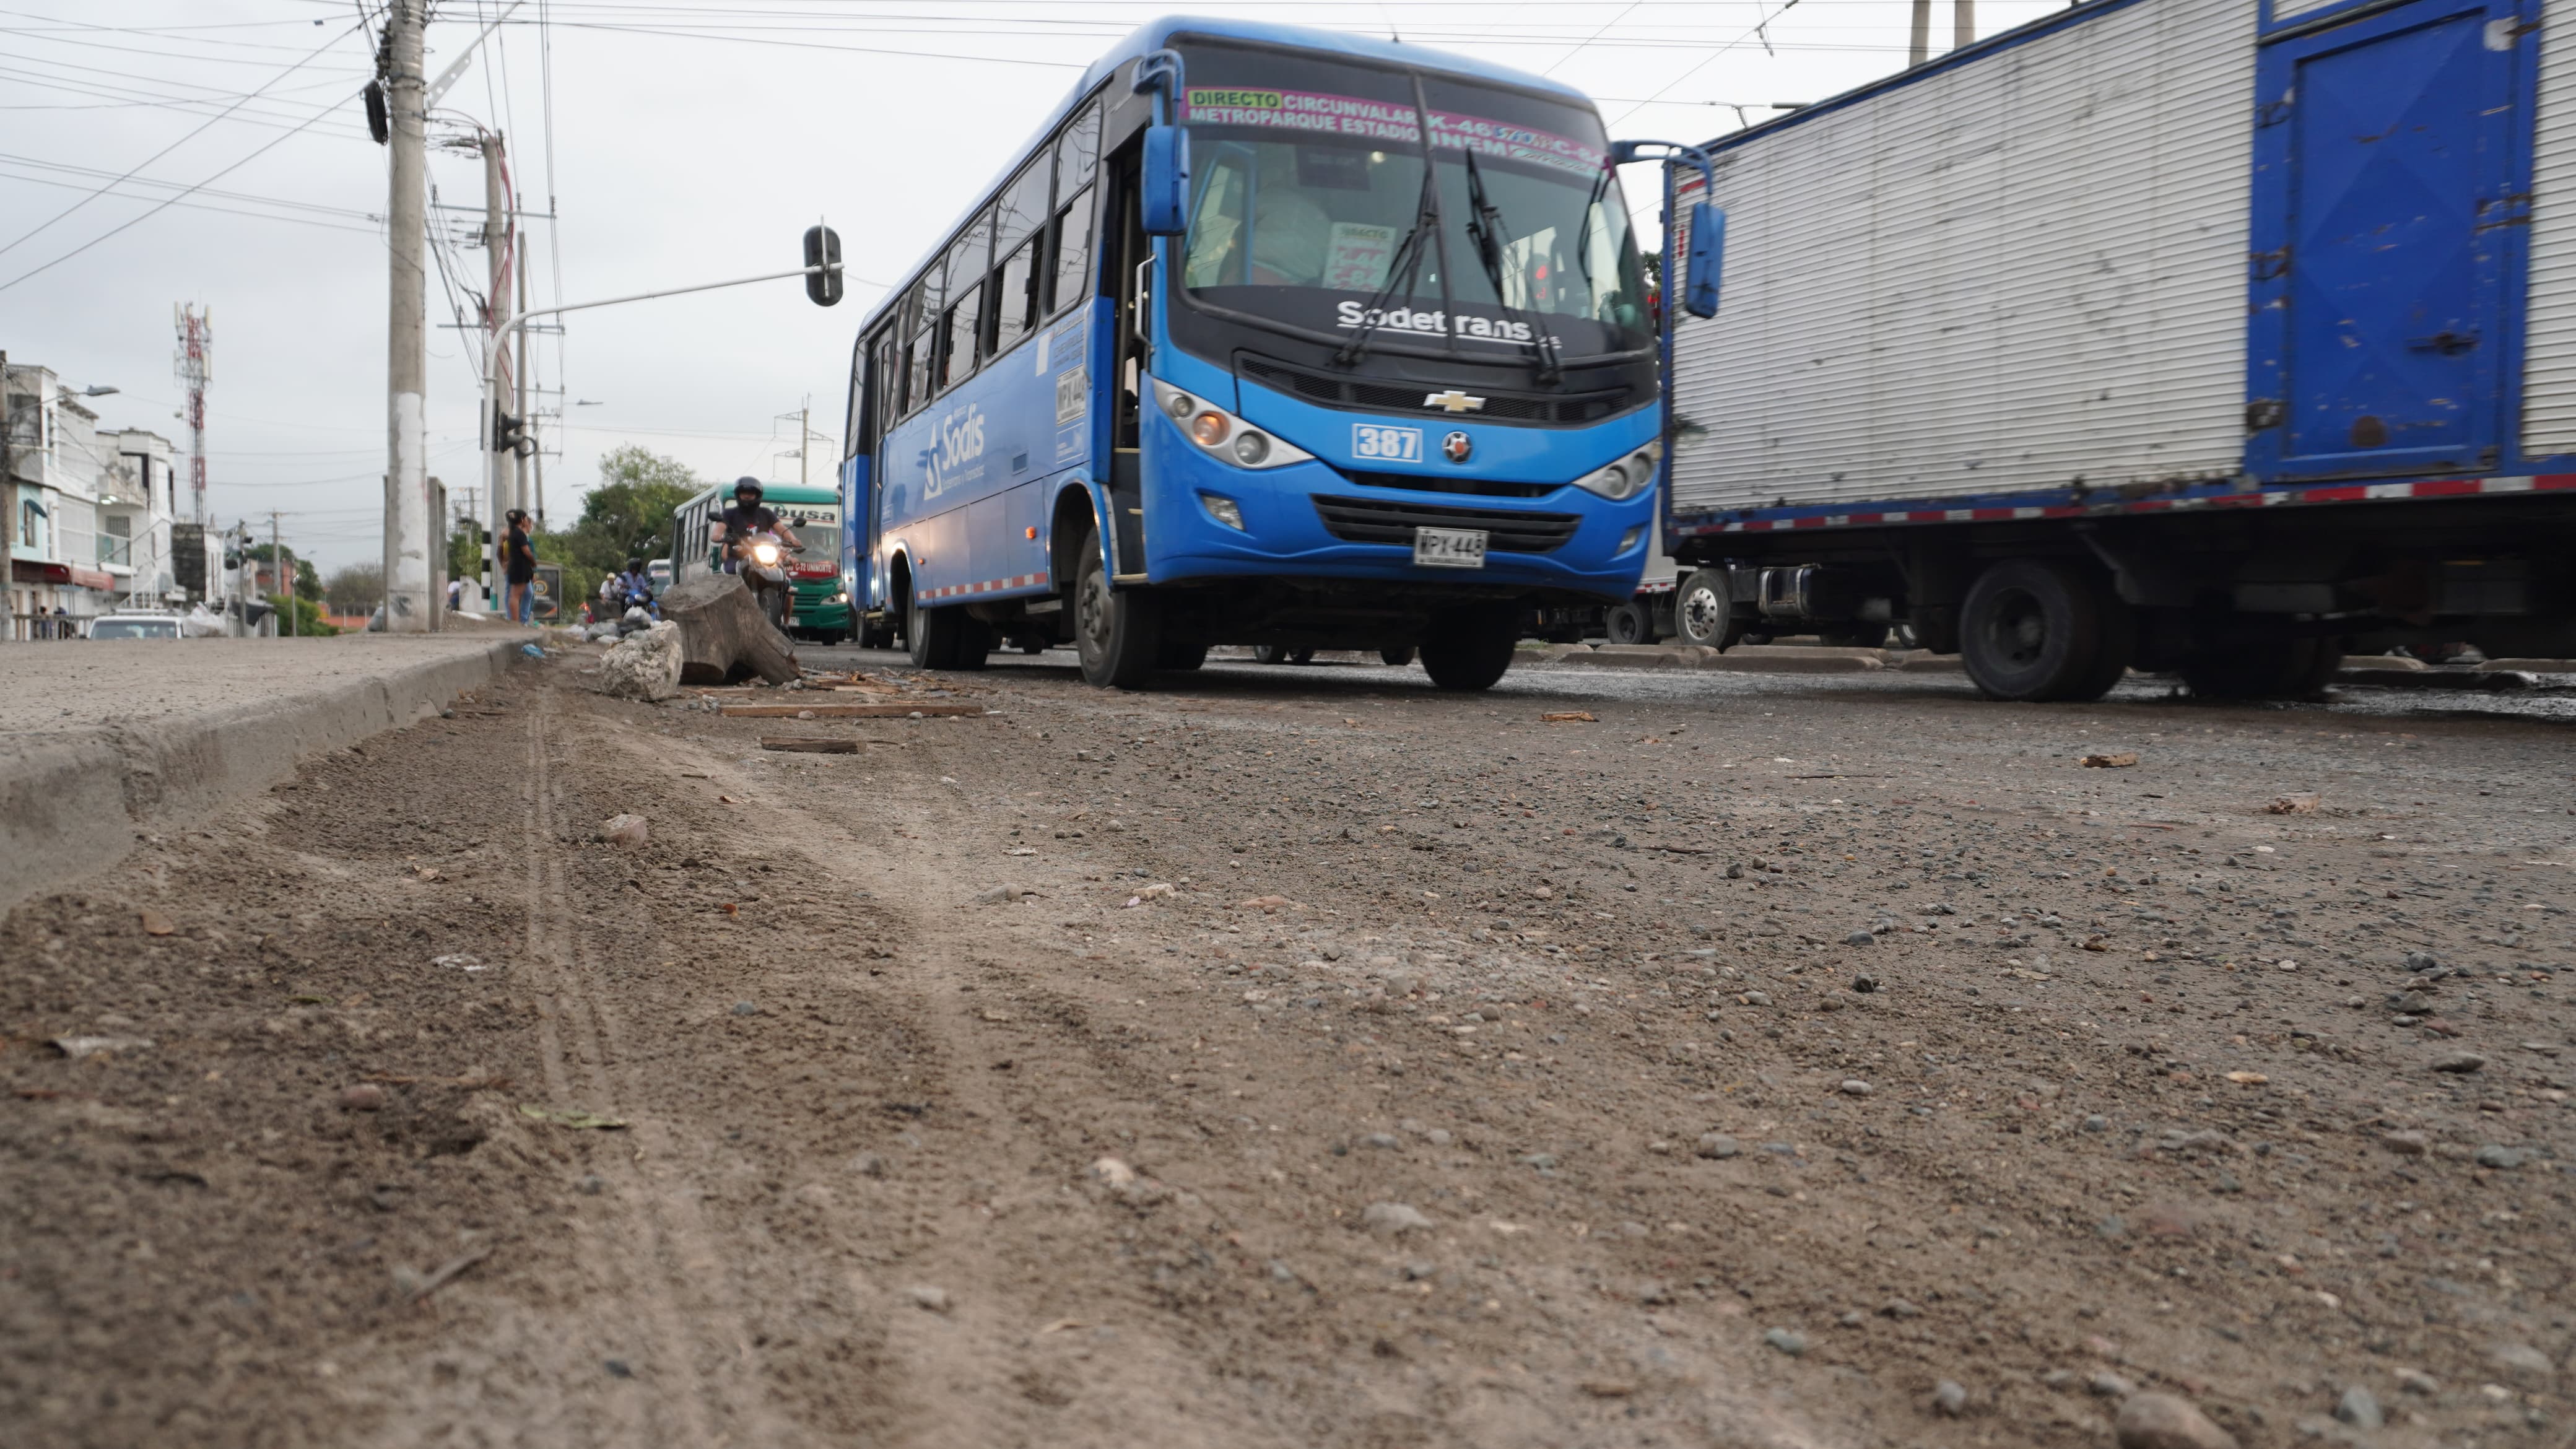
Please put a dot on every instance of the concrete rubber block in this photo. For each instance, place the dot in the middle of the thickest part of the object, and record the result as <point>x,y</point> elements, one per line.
<point>1795,661</point>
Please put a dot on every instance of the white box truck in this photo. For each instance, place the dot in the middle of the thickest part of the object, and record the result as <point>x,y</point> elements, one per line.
<point>2206,336</point>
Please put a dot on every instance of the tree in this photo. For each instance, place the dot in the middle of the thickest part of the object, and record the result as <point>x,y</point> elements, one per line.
<point>629,514</point>
<point>356,589</point>
<point>465,550</point>
<point>306,622</point>
<point>308,580</point>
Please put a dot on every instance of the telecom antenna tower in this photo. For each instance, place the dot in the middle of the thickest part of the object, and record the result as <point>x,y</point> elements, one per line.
<point>196,344</point>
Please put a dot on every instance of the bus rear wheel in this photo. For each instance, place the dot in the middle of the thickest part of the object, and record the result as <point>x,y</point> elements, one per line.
<point>947,638</point>
<point>1118,632</point>
<point>1468,650</point>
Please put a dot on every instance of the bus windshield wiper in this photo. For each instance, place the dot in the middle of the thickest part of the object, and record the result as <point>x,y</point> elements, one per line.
<point>1404,268</point>
<point>1485,229</point>
<point>1406,265</point>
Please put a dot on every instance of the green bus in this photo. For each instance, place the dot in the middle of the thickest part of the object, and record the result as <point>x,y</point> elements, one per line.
<point>822,606</point>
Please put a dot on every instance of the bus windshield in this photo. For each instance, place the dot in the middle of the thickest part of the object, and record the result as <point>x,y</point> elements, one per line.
<point>1308,208</point>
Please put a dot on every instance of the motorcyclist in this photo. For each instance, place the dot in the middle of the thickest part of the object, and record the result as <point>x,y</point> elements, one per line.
<point>634,589</point>
<point>743,517</point>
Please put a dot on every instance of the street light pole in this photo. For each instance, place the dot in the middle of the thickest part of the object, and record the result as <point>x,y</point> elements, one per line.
<point>499,338</point>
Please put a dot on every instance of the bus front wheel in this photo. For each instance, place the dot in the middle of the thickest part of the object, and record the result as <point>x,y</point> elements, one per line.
<point>1117,632</point>
<point>1470,649</point>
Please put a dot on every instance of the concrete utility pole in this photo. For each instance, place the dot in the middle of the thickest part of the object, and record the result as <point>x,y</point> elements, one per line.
<point>1919,49</point>
<point>408,604</point>
<point>804,440</point>
<point>524,495</point>
<point>1963,23</point>
<point>285,581</point>
<point>496,252</point>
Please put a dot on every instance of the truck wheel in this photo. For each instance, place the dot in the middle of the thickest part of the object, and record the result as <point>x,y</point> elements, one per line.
<point>1470,649</point>
<point>1397,657</point>
<point>1182,654</point>
<point>1631,623</point>
<point>2262,668</point>
<point>948,638</point>
<point>1704,609</point>
<point>1118,632</point>
<point>2031,629</point>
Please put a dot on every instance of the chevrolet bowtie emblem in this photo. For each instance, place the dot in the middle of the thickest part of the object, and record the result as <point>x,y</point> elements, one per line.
<point>1453,401</point>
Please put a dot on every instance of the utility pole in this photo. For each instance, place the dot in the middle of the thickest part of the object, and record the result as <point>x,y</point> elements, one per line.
<point>8,479</point>
<point>496,253</point>
<point>408,605</point>
<point>804,439</point>
<point>1919,49</point>
<point>1963,23</point>
<point>285,581</point>
<point>524,495</point>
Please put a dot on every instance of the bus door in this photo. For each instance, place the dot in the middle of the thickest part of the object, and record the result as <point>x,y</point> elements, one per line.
<point>1129,254</point>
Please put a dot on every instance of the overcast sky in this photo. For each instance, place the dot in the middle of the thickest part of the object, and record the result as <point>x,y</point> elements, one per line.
<point>691,140</point>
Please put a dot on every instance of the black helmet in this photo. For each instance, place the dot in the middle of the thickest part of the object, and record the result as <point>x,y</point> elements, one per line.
<point>635,565</point>
<point>745,485</point>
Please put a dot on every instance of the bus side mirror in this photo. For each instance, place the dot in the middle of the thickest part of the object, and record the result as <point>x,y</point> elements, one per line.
<point>823,249</point>
<point>1707,259</point>
<point>1167,180</point>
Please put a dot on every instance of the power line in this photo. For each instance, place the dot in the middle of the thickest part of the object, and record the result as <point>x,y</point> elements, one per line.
<point>316,54</point>
<point>157,209</point>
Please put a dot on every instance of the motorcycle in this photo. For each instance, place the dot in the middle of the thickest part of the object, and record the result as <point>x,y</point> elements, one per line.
<point>761,560</point>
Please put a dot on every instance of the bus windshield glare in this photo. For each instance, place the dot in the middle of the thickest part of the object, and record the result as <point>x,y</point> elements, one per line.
<point>1308,208</point>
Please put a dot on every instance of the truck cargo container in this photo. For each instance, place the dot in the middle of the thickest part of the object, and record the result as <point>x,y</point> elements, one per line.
<point>2200,336</point>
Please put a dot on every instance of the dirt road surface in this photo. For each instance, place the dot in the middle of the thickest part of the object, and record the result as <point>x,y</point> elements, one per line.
<point>1307,1058</point>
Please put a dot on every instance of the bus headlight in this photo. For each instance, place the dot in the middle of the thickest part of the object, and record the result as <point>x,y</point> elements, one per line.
<point>1626,478</point>
<point>1224,510</point>
<point>1222,435</point>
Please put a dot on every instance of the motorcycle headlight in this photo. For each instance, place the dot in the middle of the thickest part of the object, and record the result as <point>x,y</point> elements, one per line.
<point>1223,436</point>
<point>764,554</point>
<point>1626,478</point>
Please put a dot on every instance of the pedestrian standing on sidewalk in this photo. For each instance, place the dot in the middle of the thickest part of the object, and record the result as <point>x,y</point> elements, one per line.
<point>519,567</point>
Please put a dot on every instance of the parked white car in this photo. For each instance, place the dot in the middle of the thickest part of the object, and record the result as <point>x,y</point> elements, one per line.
<point>134,626</point>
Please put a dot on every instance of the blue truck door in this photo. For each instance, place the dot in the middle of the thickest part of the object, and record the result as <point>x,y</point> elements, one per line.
<point>2390,188</point>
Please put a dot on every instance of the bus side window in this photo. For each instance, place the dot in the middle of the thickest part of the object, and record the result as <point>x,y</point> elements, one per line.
<point>962,325</point>
<point>1071,245</point>
<point>1019,226</point>
<point>889,385</point>
<point>851,442</point>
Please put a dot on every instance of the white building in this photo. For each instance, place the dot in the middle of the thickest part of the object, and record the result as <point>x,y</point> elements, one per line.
<point>57,465</point>
<point>137,500</point>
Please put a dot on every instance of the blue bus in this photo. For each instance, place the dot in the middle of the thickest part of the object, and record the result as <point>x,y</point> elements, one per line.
<point>1269,336</point>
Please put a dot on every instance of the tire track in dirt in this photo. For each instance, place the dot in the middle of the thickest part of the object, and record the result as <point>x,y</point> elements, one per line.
<point>1231,1350</point>
<point>676,1276</point>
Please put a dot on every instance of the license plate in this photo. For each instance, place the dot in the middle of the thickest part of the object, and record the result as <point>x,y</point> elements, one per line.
<point>1449,548</point>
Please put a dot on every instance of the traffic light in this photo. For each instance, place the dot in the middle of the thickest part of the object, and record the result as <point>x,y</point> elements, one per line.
<point>823,249</point>
<point>510,434</point>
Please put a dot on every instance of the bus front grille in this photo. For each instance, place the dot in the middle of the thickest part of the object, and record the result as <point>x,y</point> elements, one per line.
<point>1376,395</point>
<point>1373,520</point>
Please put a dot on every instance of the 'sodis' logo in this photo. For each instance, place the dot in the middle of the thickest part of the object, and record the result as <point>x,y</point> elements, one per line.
<point>958,441</point>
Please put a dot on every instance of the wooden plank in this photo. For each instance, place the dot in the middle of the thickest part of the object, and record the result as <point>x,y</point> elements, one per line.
<point>808,745</point>
<point>821,710</point>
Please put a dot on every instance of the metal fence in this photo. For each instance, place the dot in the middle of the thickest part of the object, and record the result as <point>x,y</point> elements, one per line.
<point>44,626</point>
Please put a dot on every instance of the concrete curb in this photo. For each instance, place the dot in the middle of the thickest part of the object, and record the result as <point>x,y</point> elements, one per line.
<point>72,806</point>
<point>1744,659</point>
